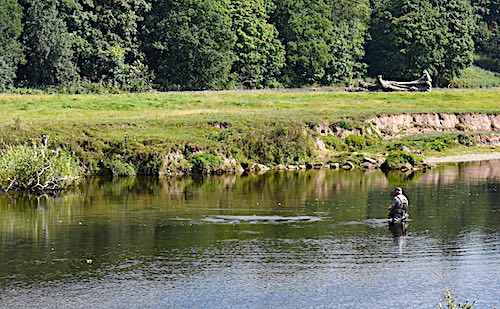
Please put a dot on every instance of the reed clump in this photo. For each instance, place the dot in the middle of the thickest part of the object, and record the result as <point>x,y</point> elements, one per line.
<point>35,168</point>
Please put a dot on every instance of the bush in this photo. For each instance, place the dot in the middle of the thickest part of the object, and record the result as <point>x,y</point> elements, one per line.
<point>442,142</point>
<point>356,142</point>
<point>467,140</point>
<point>397,159</point>
<point>356,159</point>
<point>120,168</point>
<point>436,143</point>
<point>276,145</point>
<point>346,124</point>
<point>149,160</point>
<point>206,164</point>
<point>333,142</point>
<point>25,167</point>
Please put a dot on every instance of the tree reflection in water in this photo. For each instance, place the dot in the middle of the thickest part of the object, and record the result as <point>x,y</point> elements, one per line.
<point>141,230</point>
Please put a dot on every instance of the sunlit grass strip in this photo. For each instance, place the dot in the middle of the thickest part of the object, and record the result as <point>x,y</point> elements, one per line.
<point>30,167</point>
<point>184,116</point>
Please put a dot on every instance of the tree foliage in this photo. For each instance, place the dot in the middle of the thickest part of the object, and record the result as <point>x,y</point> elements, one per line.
<point>305,29</point>
<point>260,56</point>
<point>127,45</point>
<point>10,48</point>
<point>190,44</point>
<point>324,40</point>
<point>487,37</point>
<point>106,40</point>
<point>47,44</point>
<point>409,36</point>
<point>351,20</point>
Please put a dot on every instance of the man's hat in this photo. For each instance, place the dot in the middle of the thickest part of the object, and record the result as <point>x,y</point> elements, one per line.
<point>399,190</point>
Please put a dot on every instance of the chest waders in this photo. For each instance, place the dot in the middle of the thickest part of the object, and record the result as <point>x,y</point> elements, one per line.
<point>403,205</point>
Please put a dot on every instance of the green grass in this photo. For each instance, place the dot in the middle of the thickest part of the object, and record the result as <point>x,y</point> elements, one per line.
<point>476,77</point>
<point>185,116</point>
<point>140,128</point>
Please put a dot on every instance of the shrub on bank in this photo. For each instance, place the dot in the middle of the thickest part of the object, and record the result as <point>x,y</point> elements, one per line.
<point>276,144</point>
<point>356,142</point>
<point>335,143</point>
<point>441,143</point>
<point>346,124</point>
<point>467,140</point>
<point>206,164</point>
<point>428,143</point>
<point>397,159</point>
<point>25,167</point>
<point>120,168</point>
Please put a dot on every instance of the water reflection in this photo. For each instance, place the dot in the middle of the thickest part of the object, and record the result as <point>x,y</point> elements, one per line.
<point>274,240</point>
<point>398,229</point>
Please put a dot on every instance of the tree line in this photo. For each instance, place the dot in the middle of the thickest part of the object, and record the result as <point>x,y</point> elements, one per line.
<point>136,45</point>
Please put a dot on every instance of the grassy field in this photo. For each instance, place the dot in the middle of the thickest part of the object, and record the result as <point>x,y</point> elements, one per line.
<point>104,125</point>
<point>186,116</point>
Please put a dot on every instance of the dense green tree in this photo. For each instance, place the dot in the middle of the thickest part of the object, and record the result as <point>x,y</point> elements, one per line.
<point>459,23</point>
<point>47,44</point>
<point>488,11</point>
<point>324,39</point>
<point>493,48</point>
<point>351,20</point>
<point>409,36</point>
<point>106,41</point>
<point>10,47</point>
<point>305,28</point>
<point>216,44</point>
<point>189,44</point>
<point>487,38</point>
<point>260,56</point>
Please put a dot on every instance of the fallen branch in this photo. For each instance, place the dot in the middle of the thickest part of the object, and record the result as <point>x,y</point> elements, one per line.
<point>11,184</point>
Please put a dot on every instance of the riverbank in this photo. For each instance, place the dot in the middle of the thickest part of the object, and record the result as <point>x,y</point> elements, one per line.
<point>177,133</point>
<point>464,158</point>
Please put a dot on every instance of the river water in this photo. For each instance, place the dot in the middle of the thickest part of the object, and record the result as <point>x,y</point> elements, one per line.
<point>280,240</point>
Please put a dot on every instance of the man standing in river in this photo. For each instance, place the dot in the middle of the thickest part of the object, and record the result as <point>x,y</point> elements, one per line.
<point>399,206</point>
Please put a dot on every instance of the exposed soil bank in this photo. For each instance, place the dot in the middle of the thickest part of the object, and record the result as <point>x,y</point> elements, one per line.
<point>386,141</point>
<point>483,126</point>
<point>390,126</point>
<point>464,158</point>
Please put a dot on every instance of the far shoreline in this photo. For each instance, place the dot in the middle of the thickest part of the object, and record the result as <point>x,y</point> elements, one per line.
<point>465,158</point>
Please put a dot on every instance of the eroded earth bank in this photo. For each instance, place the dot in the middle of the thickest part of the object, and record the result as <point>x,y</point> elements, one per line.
<point>400,141</point>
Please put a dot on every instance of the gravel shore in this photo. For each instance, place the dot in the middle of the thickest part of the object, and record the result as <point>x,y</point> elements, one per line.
<point>465,158</point>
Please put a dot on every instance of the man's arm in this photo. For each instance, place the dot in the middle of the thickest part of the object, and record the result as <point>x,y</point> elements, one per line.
<point>394,205</point>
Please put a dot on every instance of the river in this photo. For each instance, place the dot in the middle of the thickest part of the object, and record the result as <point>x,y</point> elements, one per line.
<point>279,240</point>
